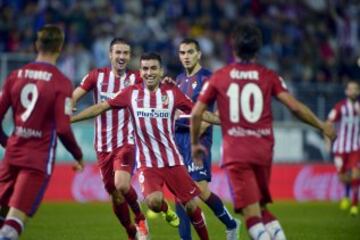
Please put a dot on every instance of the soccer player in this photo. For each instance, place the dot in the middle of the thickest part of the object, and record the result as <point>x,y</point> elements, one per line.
<point>346,148</point>
<point>244,90</point>
<point>190,83</point>
<point>152,107</point>
<point>40,98</point>
<point>114,136</point>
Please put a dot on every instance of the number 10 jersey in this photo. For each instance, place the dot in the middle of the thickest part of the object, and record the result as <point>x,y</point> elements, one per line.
<point>243,92</point>
<point>40,98</point>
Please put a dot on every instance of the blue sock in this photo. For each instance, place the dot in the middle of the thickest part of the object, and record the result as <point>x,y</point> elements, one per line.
<point>185,225</point>
<point>217,206</point>
<point>347,190</point>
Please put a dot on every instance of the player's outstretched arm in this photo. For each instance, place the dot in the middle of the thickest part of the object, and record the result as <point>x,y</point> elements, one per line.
<point>195,130</point>
<point>77,94</point>
<point>62,114</point>
<point>91,112</point>
<point>211,117</point>
<point>303,113</point>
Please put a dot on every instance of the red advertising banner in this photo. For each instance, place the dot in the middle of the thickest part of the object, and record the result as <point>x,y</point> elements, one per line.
<point>301,182</point>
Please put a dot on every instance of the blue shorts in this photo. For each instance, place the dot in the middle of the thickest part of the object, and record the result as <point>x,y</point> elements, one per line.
<point>183,143</point>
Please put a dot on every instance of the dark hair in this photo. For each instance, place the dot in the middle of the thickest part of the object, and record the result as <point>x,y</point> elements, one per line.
<point>117,40</point>
<point>191,41</point>
<point>246,40</point>
<point>50,38</point>
<point>151,56</point>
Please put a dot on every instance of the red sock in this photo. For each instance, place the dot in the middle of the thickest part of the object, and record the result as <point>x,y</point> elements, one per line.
<point>267,216</point>
<point>199,224</point>
<point>15,223</point>
<point>164,207</point>
<point>252,221</point>
<point>355,191</point>
<point>123,214</point>
<point>131,198</point>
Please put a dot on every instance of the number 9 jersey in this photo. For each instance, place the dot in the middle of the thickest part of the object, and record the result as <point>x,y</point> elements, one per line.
<point>40,98</point>
<point>244,91</point>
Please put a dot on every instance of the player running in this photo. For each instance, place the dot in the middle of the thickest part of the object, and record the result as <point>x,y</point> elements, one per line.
<point>244,90</point>
<point>346,148</point>
<point>114,140</point>
<point>190,83</point>
<point>152,107</point>
<point>40,98</point>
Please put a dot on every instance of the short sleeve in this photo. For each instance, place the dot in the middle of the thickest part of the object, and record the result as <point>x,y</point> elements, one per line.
<point>89,81</point>
<point>182,102</point>
<point>208,92</point>
<point>121,99</point>
<point>278,85</point>
<point>64,89</point>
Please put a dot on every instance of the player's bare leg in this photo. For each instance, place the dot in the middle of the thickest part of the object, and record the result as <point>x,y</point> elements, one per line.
<point>345,179</point>
<point>3,212</point>
<point>13,225</point>
<point>355,184</point>
<point>155,201</point>
<point>196,218</point>
<point>254,224</point>
<point>121,210</point>
<point>219,209</point>
<point>123,185</point>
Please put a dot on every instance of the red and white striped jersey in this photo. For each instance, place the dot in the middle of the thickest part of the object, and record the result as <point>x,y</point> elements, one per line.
<point>112,128</point>
<point>346,117</point>
<point>153,119</point>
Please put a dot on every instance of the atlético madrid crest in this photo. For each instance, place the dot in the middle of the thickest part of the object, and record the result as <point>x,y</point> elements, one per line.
<point>129,81</point>
<point>165,99</point>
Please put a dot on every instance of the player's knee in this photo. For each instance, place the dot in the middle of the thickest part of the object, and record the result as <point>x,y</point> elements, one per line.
<point>190,206</point>
<point>252,210</point>
<point>204,194</point>
<point>204,190</point>
<point>122,186</point>
<point>154,203</point>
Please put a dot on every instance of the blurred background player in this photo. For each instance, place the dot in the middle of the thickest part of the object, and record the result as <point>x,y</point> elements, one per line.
<point>40,98</point>
<point>244,90</point>
<point>152,107</point>
<point>114,140</point>
<point>190,83</point>
<point>346,148</point>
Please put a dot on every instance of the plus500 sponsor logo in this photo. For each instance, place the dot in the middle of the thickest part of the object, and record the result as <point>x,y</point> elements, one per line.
<point>152,113</point>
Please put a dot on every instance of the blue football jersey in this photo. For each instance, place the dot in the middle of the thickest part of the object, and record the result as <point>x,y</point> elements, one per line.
<point>192,86</point>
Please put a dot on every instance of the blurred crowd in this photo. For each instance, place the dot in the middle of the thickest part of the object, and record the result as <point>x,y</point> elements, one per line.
<point>306,41</point>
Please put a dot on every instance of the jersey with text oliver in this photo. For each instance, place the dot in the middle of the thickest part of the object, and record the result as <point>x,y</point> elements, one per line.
<point>244,91</point>
<point>113,128</point>
<point>153,119</point>
<point>40,98</point>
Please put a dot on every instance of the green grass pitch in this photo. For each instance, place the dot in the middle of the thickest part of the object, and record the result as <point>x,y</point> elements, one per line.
<point>95,221</point>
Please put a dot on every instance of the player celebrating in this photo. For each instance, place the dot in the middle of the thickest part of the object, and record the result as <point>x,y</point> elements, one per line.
<point>152,109</point>
<point>346,148</point>
<point>190,83</point>
<point>40,98</point>
<point>114,143</point>
<point>244,90</point>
